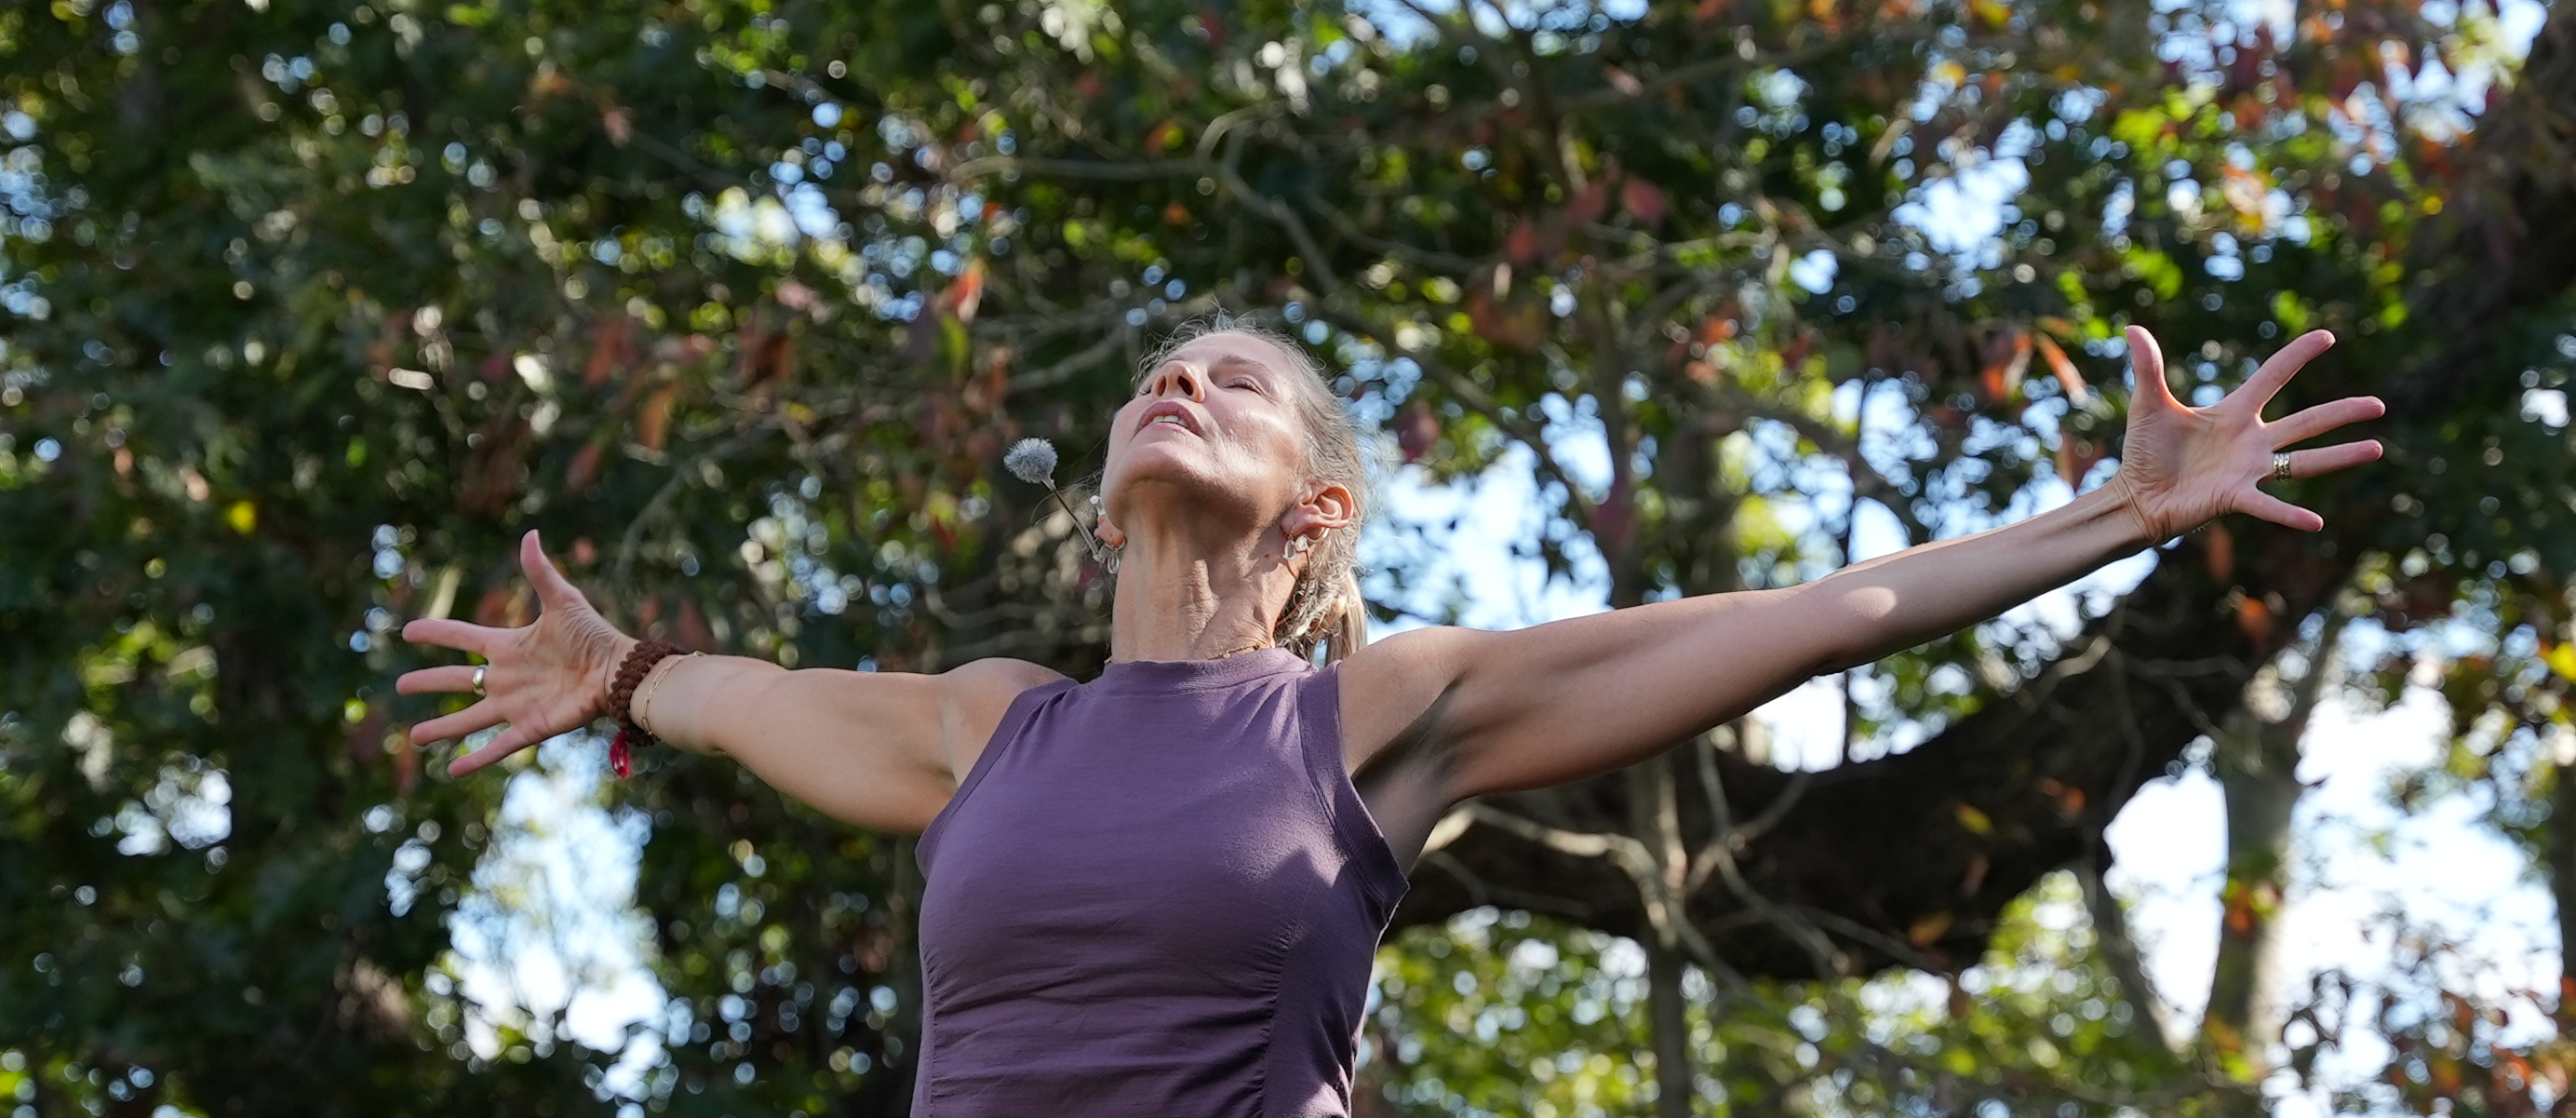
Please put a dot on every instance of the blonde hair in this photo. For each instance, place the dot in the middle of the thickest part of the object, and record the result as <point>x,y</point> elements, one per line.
<point>1325,610</point>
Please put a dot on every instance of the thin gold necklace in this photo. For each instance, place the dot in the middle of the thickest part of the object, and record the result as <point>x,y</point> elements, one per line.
<point>1219,656</point>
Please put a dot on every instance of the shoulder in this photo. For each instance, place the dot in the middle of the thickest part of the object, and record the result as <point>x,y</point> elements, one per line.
<point>974,697</point>
<point>993,682</point>
<point>1412,652</point>
<point>1001,672</point>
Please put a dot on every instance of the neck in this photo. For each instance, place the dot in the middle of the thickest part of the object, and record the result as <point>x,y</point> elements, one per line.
<point>1181,597</point>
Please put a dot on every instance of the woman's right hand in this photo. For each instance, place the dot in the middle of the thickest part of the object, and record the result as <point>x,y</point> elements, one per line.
<point>542,679</point>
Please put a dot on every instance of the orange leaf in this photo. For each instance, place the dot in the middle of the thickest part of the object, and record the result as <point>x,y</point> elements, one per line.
<point>2254,619</point>
<point>963,296</point>
<point>2069,800</point>
<point>2007,357</point>
<point>2064,369</point>
<point>653,420</point>
<point>584,469</point>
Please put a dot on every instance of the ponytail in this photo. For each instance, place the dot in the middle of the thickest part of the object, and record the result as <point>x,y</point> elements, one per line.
<point>1326,612</point>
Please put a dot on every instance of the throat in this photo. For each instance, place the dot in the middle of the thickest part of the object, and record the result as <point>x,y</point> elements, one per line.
<point>1196,610</point>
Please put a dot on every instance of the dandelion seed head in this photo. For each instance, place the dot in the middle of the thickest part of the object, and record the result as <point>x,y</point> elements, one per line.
<point>1032,461</point>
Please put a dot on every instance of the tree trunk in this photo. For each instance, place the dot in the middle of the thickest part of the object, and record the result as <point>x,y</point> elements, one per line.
<point>2558,853</point>
<point>2256,765</point>
<point>1675,1085</point>
<point>2561,854</point>
<point>2111,937</point>
<point>2258,769</point>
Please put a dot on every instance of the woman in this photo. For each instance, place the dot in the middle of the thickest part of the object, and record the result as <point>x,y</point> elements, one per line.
<point>1158,892</point>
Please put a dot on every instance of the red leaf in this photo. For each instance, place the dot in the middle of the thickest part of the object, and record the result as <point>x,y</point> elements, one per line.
<point>1516,324</point>
<point>1417,429</point>
<point>693,632</point>
<point>611,349</point>
<point>1589,203</point>
<point>1614,518</point>
<point>1643,200</point>
<point>368,736</point>
<point>2076,458</point>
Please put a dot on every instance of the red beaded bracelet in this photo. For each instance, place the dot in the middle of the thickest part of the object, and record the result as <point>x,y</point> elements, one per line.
<point>621,697</point>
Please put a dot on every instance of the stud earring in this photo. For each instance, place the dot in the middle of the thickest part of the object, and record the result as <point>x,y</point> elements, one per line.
<point>1298,545</point>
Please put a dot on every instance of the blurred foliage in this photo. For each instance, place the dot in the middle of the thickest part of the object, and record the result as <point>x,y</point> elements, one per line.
<point>312,307</point>
<point>1557,1020</point>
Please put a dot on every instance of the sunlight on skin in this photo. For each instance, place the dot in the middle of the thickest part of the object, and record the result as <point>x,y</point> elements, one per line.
<point>2169,842</point>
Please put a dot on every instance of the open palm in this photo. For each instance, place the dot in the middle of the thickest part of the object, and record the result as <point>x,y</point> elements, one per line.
<point>2184,466</point>
<point>542,679</point>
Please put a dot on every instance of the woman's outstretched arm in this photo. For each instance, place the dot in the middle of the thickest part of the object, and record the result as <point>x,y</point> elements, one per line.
<point>1466,712</point>
<point>879,749</point>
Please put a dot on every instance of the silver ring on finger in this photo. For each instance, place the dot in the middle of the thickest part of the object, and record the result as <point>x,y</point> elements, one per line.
<point>2280,467</point>
<point>479,669</point>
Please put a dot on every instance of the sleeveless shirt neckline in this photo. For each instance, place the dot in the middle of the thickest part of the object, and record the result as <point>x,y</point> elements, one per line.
<point>1195,675</point>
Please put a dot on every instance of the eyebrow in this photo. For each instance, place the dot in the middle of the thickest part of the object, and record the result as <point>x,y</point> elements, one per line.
<point>1231,359</point>
<point>1241,360</point>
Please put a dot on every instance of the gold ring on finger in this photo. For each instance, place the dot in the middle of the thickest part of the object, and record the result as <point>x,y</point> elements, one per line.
<point>479,669</point>
<point>2280,467</point>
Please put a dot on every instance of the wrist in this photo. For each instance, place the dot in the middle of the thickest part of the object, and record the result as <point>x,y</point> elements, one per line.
<point>2119,504</point>
<point>604,674</point>
<point>641,658</point>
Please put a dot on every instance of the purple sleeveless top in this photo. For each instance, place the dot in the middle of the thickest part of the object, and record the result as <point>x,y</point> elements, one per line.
<point>1156,894</point>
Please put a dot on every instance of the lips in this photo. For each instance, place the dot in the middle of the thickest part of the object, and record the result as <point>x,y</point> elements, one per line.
<point>1176,411</point>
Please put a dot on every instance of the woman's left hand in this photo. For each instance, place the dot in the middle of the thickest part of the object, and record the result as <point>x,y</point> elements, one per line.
<point>2182,467</point>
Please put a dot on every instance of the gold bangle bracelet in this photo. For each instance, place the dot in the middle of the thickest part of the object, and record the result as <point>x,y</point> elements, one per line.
<point>646,707</point>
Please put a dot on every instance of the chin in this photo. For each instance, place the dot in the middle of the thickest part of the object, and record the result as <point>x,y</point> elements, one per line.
<point>1161,471</point>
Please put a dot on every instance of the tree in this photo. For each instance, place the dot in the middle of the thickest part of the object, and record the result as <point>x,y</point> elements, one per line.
<point>313,308</point>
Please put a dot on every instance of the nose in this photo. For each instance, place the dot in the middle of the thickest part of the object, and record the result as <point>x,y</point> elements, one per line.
<point>1179,378</point>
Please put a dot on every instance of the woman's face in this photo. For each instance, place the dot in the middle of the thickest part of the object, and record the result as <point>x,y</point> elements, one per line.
<point>1215,426</point>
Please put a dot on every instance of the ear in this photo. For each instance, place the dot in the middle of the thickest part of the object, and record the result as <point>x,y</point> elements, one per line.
<point>1326,509</point>
<point>1107,531</point>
